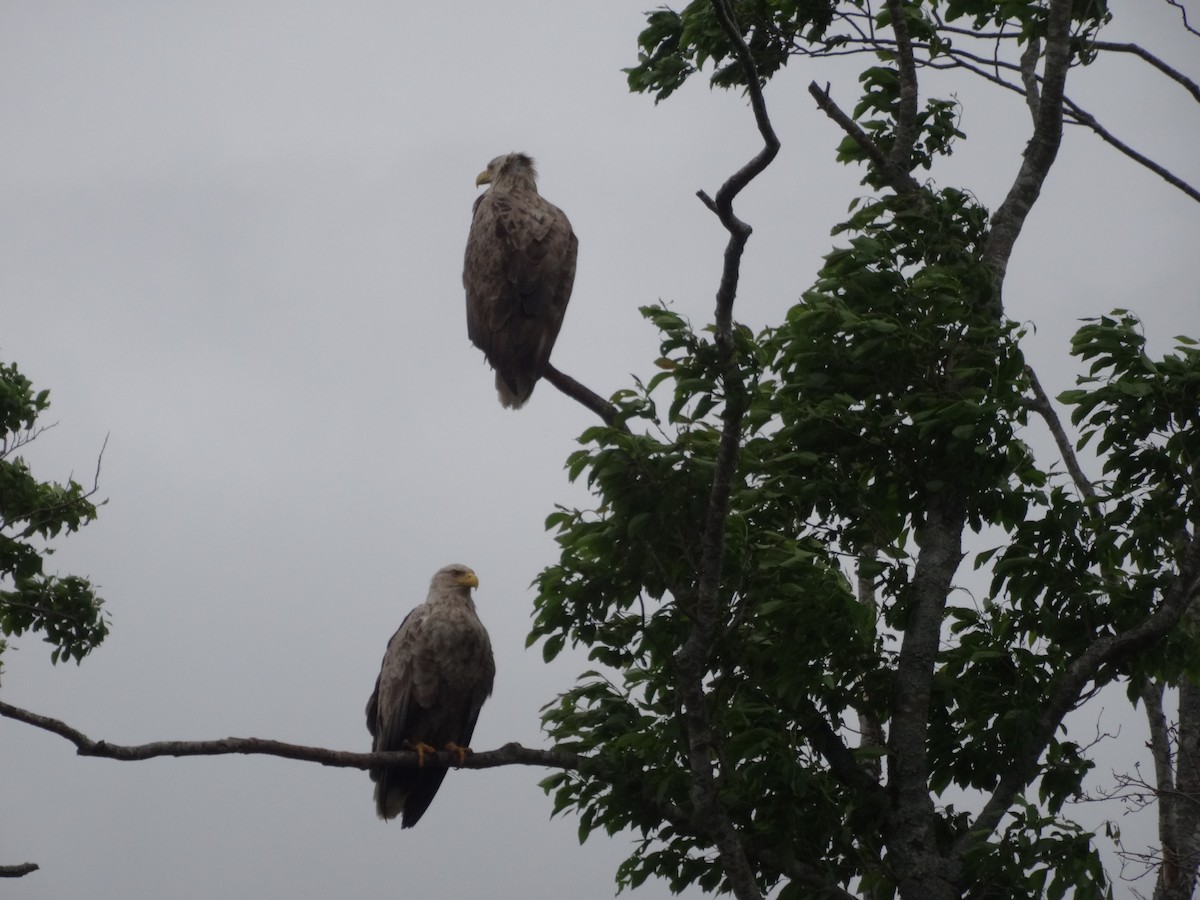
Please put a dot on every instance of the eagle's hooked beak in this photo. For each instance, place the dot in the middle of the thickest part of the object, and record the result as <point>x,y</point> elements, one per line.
<point>470,579</point>
<point>484,177</point>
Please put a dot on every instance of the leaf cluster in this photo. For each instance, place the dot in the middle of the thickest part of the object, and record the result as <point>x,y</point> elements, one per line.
<point>676,45</point>
<point>65,610</point>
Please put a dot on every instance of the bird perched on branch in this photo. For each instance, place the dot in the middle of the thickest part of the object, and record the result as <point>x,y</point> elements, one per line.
<point>518,274</point>
<point>436,673</point>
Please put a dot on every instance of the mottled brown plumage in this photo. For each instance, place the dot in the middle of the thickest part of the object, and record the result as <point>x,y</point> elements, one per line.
<point>518,274</point>
<point>436,673</point>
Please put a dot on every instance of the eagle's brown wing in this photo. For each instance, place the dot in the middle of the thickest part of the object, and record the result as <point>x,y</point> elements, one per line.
<point>518,275</point>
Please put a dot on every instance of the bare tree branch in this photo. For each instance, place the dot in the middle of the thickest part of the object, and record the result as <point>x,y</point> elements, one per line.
<point>581,394</point>
<point>1086,118</point>
<point>1042,406</point>
<point>1174,74</point>
<point>739,231</point>
<point>511,754</point>
<point>1183,14</point>
<point>18,871</point>
<point>1075,115</point>
<point>902,182</point>
<point>958,57</point>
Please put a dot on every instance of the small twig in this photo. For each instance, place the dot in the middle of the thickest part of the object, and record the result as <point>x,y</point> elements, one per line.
<point>99,460</point>
<point>508,755</point>
<point>1183,14</point>
<point>581,394</point>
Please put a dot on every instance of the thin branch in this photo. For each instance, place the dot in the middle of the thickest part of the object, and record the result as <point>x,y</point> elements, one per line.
<point>581,394</point>
<point>99,460</point>
<point>511,754</point>
<point>1174,74</point>
<point>827,105</point>
<point>1041,405</point>
<point>957,57</point>
<point>1183,14</point>
<point>1079,116</point>
<point>1086,118</point>
<point>901,181</point>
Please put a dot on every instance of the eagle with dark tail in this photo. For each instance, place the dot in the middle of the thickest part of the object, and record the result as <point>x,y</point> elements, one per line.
<point>436,673</point>
<point>518,274</point>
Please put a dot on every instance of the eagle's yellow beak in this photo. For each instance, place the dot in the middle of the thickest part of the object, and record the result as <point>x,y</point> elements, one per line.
<point>470,579</point>
<point>484,177</point>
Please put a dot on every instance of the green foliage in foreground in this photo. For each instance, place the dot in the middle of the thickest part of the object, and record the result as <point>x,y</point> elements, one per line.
<point>880,429</point>
<point>888,386</point>
<point>861,406</point>
<point>65,610</point>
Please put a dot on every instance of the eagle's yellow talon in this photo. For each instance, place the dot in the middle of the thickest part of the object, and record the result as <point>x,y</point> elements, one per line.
<point>420,748</point>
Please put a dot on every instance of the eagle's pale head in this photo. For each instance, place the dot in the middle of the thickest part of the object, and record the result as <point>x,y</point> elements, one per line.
<point>513,170</point>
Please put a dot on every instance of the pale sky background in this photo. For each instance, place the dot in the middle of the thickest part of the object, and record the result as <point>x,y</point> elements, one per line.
<point>231,239</point>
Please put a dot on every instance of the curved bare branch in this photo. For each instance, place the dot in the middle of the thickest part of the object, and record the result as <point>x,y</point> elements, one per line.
<point>512,754</point>
<point>692,659</point>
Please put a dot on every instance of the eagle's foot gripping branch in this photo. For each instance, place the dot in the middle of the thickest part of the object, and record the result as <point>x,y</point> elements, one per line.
<point>421,748</point>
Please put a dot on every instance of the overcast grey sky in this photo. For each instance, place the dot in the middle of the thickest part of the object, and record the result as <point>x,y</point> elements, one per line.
<point>231,239</point>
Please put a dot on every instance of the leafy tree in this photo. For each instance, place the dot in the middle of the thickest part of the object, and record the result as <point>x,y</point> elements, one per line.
<point>789,682</point>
